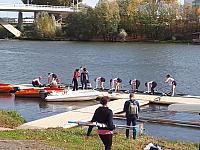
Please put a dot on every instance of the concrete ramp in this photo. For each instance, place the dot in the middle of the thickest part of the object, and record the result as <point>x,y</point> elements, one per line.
<point>10,28</point>
<point>83,114</point>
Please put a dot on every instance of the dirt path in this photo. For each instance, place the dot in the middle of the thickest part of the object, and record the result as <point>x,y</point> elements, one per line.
<point>24,145</point>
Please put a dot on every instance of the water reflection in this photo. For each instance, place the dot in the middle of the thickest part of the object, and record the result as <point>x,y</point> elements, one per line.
<point>35,108</point>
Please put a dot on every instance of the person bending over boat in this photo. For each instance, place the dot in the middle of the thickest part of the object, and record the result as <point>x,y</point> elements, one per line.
<point>50,77</point>
<point>75,80</point>
<point>172,82</point>
<point>134,85</point>
<point>131,108</point>
<point>115,84</point>
<point>36,82</point>
<point>104,115</point>
<point>84,78</point>
<point>100,82</point>
<point>150,86</point>
<point>55,83</point>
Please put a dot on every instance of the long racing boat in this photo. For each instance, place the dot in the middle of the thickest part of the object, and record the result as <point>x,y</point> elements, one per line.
<point>69,95</point>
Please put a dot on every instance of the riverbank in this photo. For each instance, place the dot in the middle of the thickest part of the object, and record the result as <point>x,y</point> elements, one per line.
<point>74,139</point>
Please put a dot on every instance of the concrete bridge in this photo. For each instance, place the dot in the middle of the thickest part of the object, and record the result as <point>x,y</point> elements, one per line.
<point>36,8</point>
<point>30,8</point>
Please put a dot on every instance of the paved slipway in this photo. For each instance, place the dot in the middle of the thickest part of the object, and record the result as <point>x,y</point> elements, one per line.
<point>23,144</point>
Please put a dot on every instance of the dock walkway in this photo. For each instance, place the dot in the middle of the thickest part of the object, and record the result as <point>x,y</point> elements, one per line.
<point>83,114</point>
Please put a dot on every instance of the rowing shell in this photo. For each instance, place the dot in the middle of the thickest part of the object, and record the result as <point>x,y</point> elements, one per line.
<point>139,126</point>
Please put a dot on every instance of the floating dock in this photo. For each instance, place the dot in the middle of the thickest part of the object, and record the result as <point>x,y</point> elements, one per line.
<point>83,114</point>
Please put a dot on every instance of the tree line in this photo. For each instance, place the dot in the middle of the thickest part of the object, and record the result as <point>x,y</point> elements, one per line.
<point>122,20</point>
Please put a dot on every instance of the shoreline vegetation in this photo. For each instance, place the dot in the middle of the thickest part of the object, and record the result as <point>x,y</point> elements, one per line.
<point>115,21</point>
<point>74,138</point>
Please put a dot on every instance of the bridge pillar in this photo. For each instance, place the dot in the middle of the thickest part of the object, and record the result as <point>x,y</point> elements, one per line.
<point>35,14</point>
<point>20,21</point>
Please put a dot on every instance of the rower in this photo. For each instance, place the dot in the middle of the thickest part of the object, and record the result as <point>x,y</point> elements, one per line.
<point>115,84</point>
<point>36,82</point>
<point>134,85</point>
<point>100,82</point>
<point>172,82</point>
<point>55,83</point>
<point>150,86</point>
<point>51,76</point>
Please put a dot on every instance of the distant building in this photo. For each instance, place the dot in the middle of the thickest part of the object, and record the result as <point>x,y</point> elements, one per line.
<point>188,2</point>
<point>196,3</point>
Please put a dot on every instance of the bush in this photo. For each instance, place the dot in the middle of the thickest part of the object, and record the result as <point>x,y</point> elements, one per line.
<point>10,119</point>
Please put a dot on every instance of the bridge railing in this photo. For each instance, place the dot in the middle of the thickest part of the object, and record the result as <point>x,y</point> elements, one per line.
<point>33,5</point>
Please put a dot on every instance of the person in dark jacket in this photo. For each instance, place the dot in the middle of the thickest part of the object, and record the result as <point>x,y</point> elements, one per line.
<point>131,108</point>
<point>84,78</point>
<point>104,115</point>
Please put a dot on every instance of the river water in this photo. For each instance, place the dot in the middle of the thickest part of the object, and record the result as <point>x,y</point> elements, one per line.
<point>22,61</point>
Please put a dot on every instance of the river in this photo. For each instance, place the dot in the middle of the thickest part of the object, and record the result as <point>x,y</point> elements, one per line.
<point>22,61</point>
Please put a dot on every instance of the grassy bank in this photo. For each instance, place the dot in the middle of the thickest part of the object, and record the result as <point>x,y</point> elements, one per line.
<point>10,119</point>
<point>74,139</point>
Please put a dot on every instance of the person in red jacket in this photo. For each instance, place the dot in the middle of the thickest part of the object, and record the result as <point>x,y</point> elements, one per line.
<point>75,80</point>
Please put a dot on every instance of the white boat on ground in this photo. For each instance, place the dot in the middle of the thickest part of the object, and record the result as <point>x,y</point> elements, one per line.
<point>69,95</point>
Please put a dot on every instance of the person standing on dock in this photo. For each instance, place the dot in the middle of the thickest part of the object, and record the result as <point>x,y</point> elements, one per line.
<point>172,82</point>
<point>104,115</point>
<point>84,78</point>
<point>134,85</point>
<point>151,86</point>
<point>75,80</point>
<point>100,82</point>
<point>131,108</point>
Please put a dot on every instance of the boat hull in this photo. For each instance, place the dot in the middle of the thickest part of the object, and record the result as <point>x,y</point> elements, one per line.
<point>35,92</point>
<point>80,95</point>
<point>6,88</point>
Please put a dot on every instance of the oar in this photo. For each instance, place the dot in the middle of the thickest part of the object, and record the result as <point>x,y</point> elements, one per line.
<point>139,126</point>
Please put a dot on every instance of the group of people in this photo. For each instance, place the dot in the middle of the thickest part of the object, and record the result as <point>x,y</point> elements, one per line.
<point>84,77</point>
<point>131,108</point>
<point>53,81</point>
<point>115,84</point>
<point>104,115</point>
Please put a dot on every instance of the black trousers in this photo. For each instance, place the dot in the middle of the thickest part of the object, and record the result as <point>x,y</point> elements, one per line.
<point>107,140</point>
<point>84,84</point>
<point>129,120</point>
<point>75,88</point>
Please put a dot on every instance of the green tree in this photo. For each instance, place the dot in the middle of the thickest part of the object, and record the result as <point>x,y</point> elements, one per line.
<point>45,25</point>
<point>108,18</point>
<point>81,25</point>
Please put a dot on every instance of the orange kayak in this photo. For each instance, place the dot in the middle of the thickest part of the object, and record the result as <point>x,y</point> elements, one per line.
<point>35,93</point>
<point>6,88</point>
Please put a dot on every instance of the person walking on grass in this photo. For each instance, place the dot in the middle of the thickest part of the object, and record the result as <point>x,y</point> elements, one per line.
<point>131,108</point>
<point>104,115</point>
